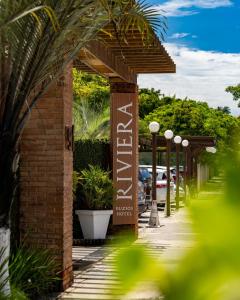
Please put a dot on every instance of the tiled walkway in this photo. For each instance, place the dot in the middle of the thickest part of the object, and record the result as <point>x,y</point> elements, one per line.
<point>96,277</point>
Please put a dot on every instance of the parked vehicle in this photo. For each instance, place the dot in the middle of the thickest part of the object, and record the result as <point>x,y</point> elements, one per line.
<point>161,183</point>
<point>161,186</point>
<point>146,178</point>
<point>142,204</point>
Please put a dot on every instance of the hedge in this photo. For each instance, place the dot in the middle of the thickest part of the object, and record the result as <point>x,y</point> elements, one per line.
<point>91,152</point>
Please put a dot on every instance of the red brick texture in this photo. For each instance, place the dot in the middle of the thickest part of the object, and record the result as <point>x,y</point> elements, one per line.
<point>46,176</point>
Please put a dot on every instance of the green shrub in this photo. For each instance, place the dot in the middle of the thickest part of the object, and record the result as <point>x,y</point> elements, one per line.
<point>32,271</point>
<point>97,188</point>
<point>91,152</point>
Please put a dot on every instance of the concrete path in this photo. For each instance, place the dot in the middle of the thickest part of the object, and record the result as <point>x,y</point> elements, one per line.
<point>96,278</point>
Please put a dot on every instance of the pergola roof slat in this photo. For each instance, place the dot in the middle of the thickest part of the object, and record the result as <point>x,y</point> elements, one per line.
<point>126,59</point>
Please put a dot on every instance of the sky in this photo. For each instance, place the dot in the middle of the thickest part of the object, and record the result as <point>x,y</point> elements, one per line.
<point>203,38</point>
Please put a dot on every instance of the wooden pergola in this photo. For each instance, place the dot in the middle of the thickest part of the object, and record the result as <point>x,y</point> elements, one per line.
<point>46,149</point>
<point>197,144</point>
<point>124,60</point>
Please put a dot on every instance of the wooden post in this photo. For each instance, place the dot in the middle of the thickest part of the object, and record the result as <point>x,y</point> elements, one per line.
<point>124,145</point>
<point>154,167</point>
<point>177,175</point>
<point>168,200</point>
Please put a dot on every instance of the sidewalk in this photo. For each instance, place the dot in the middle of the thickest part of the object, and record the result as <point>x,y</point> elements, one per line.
<point>95,278</point>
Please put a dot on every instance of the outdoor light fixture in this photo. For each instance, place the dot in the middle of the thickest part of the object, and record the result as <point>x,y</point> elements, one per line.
<point>154,219</point>
<point>168,134</point>
<point>177,140</point>
<point>154,127</point>
<point>214,150</point>
<point>211,150</point>
<point>185,143</point>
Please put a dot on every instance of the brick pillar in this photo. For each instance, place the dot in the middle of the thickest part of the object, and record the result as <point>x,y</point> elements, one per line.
<point>124,145</point>
<point>46,175</point>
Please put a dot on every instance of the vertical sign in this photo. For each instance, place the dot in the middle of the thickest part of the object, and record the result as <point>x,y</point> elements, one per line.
<point>124,133</point>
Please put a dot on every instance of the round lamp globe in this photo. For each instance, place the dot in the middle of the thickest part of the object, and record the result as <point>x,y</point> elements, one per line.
<point>154,127</point>
<point>177,139</point>
<point>168,134</point>
<point>185,143</point>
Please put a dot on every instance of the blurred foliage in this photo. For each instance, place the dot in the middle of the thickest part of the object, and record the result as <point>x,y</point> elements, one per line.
<point>210,270</point>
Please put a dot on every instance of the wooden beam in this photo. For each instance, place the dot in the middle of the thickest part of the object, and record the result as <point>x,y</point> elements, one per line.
<point>115,65</point>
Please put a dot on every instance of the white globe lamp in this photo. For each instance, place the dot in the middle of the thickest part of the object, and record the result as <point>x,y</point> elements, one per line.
<point>185,143</point>
<point>211,150</point>
<point>177,139</point>
<point>168,134</point>
<point>154,127</point>
<point>214,150</point>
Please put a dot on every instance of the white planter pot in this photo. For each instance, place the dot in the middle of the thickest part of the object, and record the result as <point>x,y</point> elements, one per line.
<point>94,223</point>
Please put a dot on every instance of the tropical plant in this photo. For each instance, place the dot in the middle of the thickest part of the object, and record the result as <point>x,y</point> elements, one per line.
<point>89,123</point>
<point>91,106</point>
<point>224,109</point>
<point>97,188</point>
<point>32,271</point>
<point>94,88</point>
<point>38,39</point>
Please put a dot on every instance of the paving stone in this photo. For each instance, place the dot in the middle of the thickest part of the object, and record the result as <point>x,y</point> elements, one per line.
<point>97,279</point>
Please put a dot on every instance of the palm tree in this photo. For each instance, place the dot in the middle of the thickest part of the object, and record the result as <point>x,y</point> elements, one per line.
<point>88,123</point>
<point>38,39</point>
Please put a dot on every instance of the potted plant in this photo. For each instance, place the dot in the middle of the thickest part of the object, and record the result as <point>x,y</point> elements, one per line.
<point>97,198</point>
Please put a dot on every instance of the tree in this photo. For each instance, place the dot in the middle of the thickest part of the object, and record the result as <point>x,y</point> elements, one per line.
<point>235,91</point>
<point>91,106</point>
<point>34,50</point>
<point>224,109</point>
<point>189,117</point>
<point>149,99</point>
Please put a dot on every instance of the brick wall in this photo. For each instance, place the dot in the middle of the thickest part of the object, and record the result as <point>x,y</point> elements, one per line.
<point>46,176</point>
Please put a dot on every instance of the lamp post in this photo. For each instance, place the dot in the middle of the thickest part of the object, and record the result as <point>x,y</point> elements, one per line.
<point>168,135</point>
<point>211,150</point>
<point>177,141</point>
<point>154,219</point>
<point>185,144</point>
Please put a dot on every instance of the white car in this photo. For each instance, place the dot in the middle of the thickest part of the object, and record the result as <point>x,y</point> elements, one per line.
<point>161,184</point>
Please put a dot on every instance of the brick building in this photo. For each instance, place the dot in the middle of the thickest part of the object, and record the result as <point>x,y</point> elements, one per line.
<point>46,149</point>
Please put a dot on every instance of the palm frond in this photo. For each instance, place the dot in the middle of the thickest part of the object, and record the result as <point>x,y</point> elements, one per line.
<point>38,39</point>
